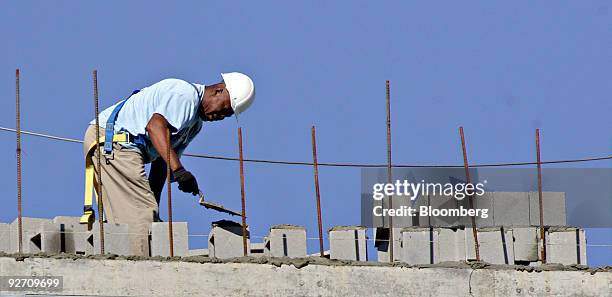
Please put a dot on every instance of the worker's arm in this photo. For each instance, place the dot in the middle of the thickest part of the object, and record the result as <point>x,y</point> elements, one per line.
<point>158,134</point>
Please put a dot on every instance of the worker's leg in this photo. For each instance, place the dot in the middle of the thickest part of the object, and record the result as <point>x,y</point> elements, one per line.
<point>126,193</point>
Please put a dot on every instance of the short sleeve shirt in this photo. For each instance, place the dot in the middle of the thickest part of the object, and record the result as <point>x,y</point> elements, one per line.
<point>176,100</point>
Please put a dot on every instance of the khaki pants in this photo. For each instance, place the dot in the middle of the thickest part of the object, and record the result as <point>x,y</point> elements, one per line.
<point>126,193</point>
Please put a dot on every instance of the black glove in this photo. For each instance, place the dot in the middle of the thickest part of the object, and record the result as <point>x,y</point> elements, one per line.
<point>186,181</point>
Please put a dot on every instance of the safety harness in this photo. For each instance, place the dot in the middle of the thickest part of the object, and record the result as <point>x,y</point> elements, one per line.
<point>108,139</point>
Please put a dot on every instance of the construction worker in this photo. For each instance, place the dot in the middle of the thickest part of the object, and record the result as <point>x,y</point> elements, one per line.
<point>134,133</point>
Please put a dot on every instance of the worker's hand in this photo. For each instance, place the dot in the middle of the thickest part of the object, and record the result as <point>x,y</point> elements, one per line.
<point>186,181</point>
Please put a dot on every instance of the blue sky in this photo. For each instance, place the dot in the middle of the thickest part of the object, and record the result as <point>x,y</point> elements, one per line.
<point>499,69</point>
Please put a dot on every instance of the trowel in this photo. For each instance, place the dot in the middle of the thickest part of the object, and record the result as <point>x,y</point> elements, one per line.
<point>215,206</point>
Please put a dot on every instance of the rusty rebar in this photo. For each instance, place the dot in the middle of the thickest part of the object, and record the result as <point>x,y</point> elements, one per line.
<point>99,163</point>
<point>244,226</point>
<point>540,198</point>
<point>169,186</point>
<point>389,177</point>
<point>316,179</point>
<point>18,130</point>
<point>470,197</point>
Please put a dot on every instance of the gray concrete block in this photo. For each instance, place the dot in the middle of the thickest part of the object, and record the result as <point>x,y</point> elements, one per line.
<point>526,240</point>
<point>450,245</point>
<point>418,245</point>
<point>225,240</point>
<point>258,249</point>
<point>424,245</point>
<point>553,207</point>
<point>198,252</point>
<point>160,241</point>
<point>5,238</point>
<point>443,202</point>
<point>480,202</point>
<point>496,247</point>
<point>286,241</point>
<point>381,243</point>
<point>73,236</point>
<point>39,235</point>
<point>349,243</point>
<point>511,208</point>
<point>566,245</point>
<point>418,220</point>
<point>116,239</point>
<point>402,221</point>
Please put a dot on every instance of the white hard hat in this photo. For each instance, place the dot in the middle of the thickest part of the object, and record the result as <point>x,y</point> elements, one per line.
<point>241,90</point>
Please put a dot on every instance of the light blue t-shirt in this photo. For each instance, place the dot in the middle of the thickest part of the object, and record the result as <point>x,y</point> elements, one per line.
<point>176,100</point>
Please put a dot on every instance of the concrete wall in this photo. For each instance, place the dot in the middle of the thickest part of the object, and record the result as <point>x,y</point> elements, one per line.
<point>121,277</point>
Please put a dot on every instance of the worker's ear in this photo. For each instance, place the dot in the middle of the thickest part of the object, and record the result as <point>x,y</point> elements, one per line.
<point>219,91</point>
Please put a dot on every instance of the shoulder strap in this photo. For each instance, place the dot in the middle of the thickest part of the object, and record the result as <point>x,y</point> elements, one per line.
<point>110,125</point>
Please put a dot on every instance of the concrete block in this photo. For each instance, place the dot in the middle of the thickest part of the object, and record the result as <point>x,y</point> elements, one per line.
<point>511,208</point>
<point>258,249</point>
<point>402,221</point>
<point>349,243</point>
<point>553,207</point>
<point>73,236</point>
<point>39,235</point>
<point>496,245</point>
<point>450,245</point>
<point>381,243</point>
<point>425,245</point>
<point>160,241</point>
<point>526,240</point>
<point>418,245</point>
<point>418,220</point>
<point>116,239</point>
<point>5,238</point>
<point>443,202</point>
<point>225,240</point>
<point>286,241</point>
<point>198,252</point>
<point>480,202</point>
<point>566,245</point>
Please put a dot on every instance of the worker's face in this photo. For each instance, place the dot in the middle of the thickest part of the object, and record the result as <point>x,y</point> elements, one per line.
<point>217,106</point>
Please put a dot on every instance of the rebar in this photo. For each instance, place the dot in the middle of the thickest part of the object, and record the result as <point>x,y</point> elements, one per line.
<point>540,199</point>
<point>318,193</point>
<point>470,197</point>
<point>244,226</point>
<point>169,186</point>
<point>389,177</point>
<point>99,163</point>
<point>18,130</point>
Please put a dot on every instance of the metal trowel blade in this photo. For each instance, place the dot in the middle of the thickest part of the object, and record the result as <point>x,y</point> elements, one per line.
<point>218,207</point>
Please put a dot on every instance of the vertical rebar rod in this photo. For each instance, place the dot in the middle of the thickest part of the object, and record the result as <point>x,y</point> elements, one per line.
<point>389,177</point>
<point>99,163</point>
<point>244,226</point>
<point>316,179</point>
<point>540,199</point>
<point>169,186</point>
<point>18,128</point>
<point>470,198</point>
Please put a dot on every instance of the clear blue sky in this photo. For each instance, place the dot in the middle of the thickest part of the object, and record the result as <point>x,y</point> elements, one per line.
<point>499,69</point>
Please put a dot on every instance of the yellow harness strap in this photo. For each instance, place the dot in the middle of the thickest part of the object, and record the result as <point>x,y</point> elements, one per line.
<point>89,216</point>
